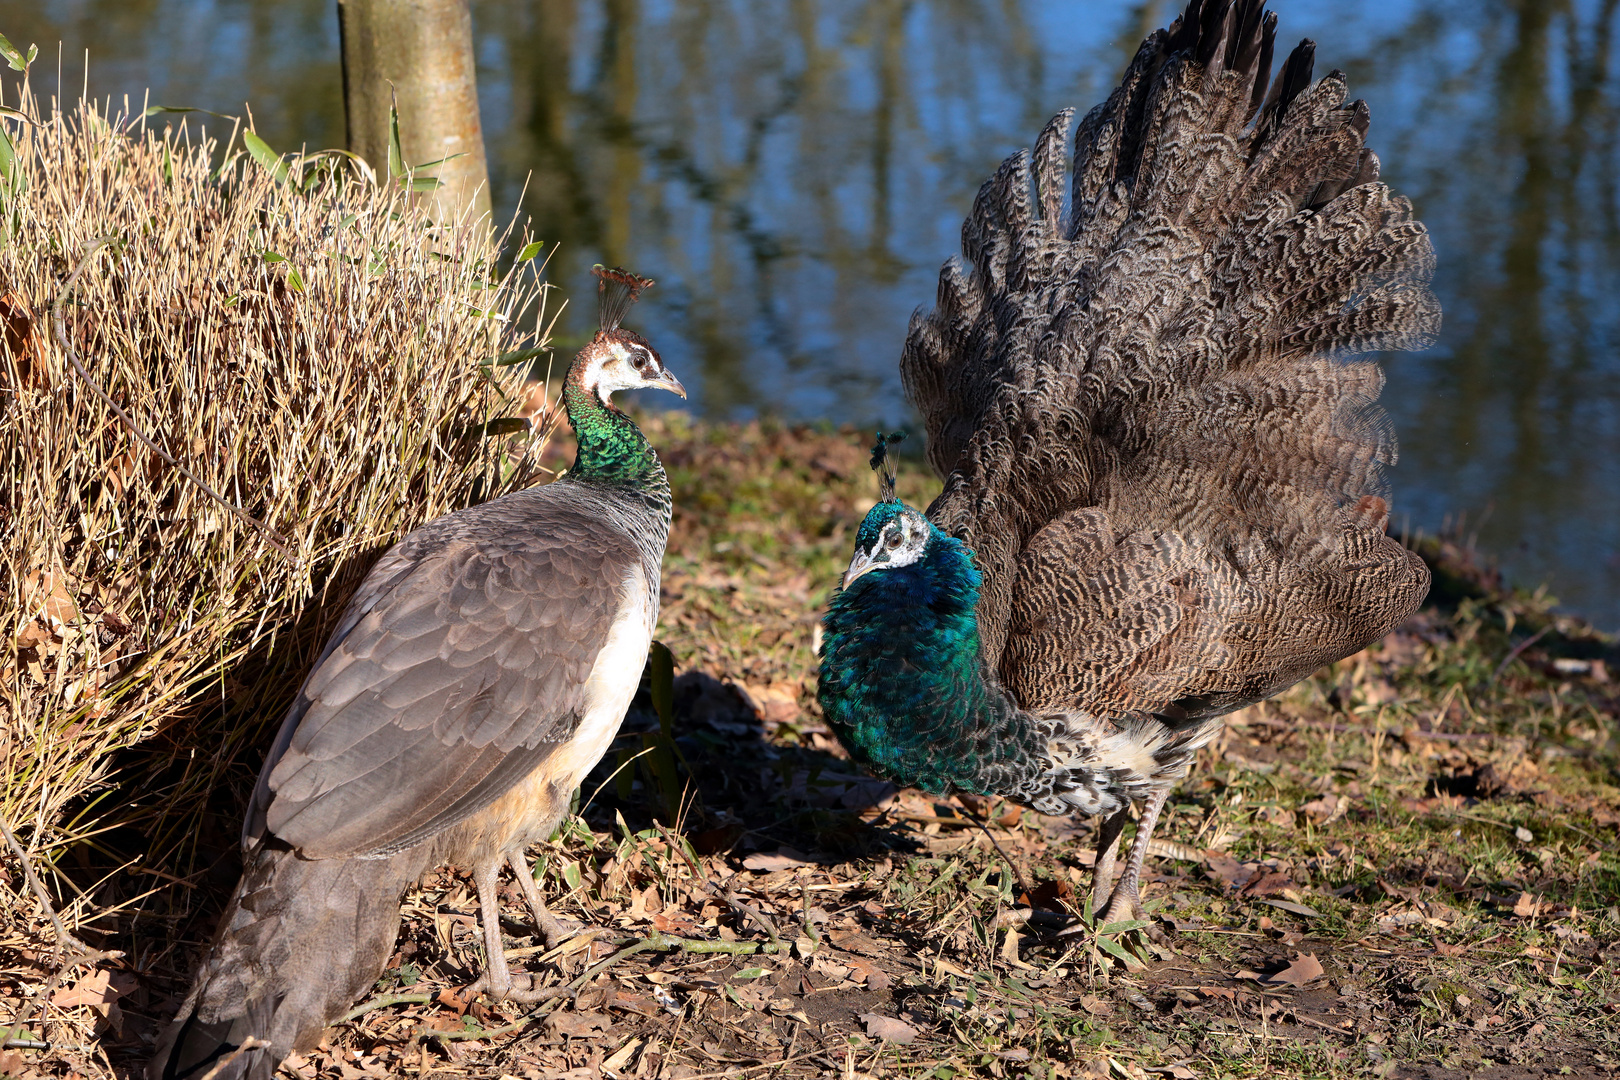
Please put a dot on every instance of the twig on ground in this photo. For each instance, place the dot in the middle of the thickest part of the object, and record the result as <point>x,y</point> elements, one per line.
<point>1513,654</point>
<point>752,912</point>
<point>63,938</point>
<point>739,1070</point>
<point>81,953</point>
<point>252,1042</point>
<point>1018,879</point>
<point>382,1002</point>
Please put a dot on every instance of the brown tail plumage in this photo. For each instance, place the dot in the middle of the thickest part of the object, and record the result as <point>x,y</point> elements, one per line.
<point>1145,396</point>
<point>300,940</point>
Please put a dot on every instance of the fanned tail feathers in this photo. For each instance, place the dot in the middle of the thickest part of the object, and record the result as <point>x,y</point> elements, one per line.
<point>1152,435</point>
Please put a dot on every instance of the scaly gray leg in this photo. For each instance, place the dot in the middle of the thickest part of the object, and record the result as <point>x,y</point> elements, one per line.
<point>552,930</point>
<point>1102,871</point>
<point>1125,902</point>
<point>497,979</point>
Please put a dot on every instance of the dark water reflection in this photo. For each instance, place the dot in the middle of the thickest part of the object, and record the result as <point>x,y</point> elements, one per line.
<point>794,171</point>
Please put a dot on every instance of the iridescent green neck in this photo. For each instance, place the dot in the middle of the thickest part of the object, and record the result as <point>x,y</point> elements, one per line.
<point>612,450</point>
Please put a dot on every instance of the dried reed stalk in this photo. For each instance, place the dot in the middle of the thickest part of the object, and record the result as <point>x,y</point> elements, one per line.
<point>308,344</point>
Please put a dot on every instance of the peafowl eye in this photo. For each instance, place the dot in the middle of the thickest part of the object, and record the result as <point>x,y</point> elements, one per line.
<point>1164,496</point>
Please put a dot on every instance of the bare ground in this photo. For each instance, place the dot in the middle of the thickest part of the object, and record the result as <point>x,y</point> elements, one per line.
<point>1405,867</point>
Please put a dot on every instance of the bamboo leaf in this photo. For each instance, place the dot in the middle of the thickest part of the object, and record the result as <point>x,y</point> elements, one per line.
<point>396,156</point>
<point>1114,949</point>
<point>516,356</point>
<point>1123,927</point>
<point>15,58</point>
<point>265,156</point>
<point>438,161</point>
<point>663,687</point>
<point>422,183</point>
<point>660,761</point>
<point>153,110</point>
<point>530,250</point>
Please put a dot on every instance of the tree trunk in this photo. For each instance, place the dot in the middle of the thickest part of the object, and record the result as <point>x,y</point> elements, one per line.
<point>424,49</point>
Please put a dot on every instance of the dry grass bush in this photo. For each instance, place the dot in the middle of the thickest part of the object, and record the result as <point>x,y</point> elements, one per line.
<point>309,345</point>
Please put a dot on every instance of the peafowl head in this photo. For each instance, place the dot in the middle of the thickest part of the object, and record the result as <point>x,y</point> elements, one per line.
<point>619,359</point>
<point>895,535</point>
<point>892,535</point>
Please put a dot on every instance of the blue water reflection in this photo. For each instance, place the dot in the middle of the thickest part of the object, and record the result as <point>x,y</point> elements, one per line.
<point>794,171</point>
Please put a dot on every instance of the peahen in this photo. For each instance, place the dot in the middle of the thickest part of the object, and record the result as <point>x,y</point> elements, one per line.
<point>1164,495</point>
<point>480,671</point>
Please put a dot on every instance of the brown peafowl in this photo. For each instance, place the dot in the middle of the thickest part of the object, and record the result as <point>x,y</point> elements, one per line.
<point>479,672</point>
<point>1164,495</point>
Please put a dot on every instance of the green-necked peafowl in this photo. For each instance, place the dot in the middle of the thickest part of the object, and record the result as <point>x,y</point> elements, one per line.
<point>1163,475</point>
<point>479,672</point>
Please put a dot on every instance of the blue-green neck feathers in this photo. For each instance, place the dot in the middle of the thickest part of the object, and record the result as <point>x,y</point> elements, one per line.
<point>612,449</point>
<point>902,677</point>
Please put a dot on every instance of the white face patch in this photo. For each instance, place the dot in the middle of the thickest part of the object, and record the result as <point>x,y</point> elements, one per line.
<point>901,543</point>
<point>626,366</point>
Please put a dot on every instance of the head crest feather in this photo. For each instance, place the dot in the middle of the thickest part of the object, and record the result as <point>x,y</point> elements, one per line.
<point>616,289</point>
<point>884,465</point>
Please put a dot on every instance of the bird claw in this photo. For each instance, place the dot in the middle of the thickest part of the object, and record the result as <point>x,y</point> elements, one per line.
<point>519,989</point>
<point>555,931</point>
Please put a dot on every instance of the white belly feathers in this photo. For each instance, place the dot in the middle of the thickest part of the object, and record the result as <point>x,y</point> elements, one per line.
<point>612,683</point>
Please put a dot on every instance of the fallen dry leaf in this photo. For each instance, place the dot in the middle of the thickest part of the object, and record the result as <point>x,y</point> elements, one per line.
<point>1304,968</point>
<point>783,859</point>
<point>1096,1005</point>
<point>874,977</point>
<point>1228,871</point>
<point>889,1029</point>
<point>50,598</point>
<point>1526,905</point>
<point>98,988</point>
<point>621,1056</point>
<point>776,703</point>
<point>1269,883</point>
<point>578,1025</point>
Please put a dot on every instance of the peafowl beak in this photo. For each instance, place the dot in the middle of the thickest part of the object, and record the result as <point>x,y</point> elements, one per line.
<point>862,563</point>
<point>667,381</point>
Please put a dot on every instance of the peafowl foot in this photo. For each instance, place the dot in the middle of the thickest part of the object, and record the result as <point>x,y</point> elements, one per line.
<point>1127,907</point>
<point>497,980</point>
<point>502,985</point>
<point>553,931</point>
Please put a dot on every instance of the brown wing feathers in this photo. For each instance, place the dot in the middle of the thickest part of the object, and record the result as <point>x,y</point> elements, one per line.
<point>457,671</point>
<point>390,748</point>
<point>1169,474</point>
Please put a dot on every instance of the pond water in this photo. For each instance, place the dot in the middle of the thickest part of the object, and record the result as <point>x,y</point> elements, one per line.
<point>793,172</point>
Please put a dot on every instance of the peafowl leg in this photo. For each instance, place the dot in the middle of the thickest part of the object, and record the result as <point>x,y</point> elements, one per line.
<point>1126,903</point>
<point>1102,870</point>
<point>497,979</point>
<point>552,929</point>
